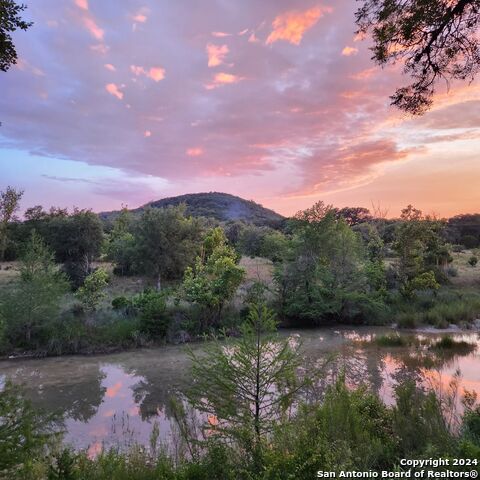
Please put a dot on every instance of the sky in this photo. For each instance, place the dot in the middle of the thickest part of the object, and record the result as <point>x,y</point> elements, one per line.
<point>120,103</point>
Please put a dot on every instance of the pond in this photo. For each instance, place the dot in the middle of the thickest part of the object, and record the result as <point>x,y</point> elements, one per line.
<point>115,400</point>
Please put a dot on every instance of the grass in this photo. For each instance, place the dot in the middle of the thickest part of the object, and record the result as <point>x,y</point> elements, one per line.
<point>467,275</point>
<point>449,343</point>
<point>451,306</point>
<point>392,340</point>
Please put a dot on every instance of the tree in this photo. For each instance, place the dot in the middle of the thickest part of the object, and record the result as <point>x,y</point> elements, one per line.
<point>24,432</point>
<point>247,386</point>
<point>92,292</point>
<point>9,204</point>
<point>421,250</point>
<point>10,20</point>
<point>167,242</point>
<point>324,270</point>
<point>121,244</point>
<point>76,239</point>
<point>215,277</point>
<point>35,298</point>
<point>434,39</point>
<point>354,215</point>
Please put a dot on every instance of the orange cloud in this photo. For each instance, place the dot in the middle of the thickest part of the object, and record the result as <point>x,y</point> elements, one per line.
<point>93,28</point>
<point>194,152</point>
<point>110,67</point>
<point>347,51</point>
<point>223,79</point>
<point>155,73</point>
<point>291,26</point>
<point>364,74</point>
<point>114,90</point>
<point>216,54</point>
<point>83,4</point>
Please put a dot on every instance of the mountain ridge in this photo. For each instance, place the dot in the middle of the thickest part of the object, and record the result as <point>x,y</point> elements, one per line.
<point>218,205</point>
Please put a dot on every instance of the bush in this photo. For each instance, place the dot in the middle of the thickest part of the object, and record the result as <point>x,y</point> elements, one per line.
<point>451,271</point>
<point>469,241</point>
<point>121,302</point>
<point>472,261</point>
<point>152,309</point>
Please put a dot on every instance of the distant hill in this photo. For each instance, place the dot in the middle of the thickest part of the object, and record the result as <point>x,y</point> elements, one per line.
<point>221,206</point>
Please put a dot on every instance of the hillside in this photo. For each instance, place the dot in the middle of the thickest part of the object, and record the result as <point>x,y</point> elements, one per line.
<point>221,206</point>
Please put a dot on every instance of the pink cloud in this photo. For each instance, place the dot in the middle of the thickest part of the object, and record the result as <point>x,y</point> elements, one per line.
<point>221,34</point>
<point>252,38</point>
<point>114,90</point>
<point>216,54</point>
<point>223,79</point>
<point>348,51</point>
<point>291,26</point>
<point>110,67</point>
<point>194,152</point>
<point>93,28</point>
<point>155,73</point>
<point>147,133</point>
<point>83,4</point>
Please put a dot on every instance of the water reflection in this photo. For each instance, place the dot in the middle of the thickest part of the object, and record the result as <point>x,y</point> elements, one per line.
<point>116,400</point>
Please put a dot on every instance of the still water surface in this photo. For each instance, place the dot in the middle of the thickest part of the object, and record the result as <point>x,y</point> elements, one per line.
<point>114,400</point>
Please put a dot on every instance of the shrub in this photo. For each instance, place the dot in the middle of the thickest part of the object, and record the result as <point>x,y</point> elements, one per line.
<point>119,303</point>
<point>451,271</point>
<point>152,308</point>
<point>469,241</point>
<point>472,261</point>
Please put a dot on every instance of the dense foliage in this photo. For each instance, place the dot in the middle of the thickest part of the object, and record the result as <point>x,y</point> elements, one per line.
<point>174,277</point>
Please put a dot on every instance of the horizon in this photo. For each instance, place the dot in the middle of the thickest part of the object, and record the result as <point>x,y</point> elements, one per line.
<point>278,102</point>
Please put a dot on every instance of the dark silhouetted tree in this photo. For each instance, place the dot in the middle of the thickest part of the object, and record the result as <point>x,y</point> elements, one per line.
<point>434,39</point>
<point>10,20</point>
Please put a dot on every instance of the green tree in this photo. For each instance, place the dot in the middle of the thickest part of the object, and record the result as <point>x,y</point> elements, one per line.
<point>167,242</point>
<point>92,292</point>
<point>421,250</point>
<point>325,268</point>
<point>247,387</point>
<point>35,298</point>
<point>10,20</point>
<point>215,277</point>
<point>77,240</point>
<point>434,40</point>
<point>9,204</point>
<point>24,432</point>
<point>121,246</point>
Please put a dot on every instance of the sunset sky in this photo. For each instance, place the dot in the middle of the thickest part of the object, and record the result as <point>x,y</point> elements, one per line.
<point>277,101</point>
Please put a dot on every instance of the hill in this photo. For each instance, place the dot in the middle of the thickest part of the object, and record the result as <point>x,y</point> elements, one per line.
<point>220,206</point>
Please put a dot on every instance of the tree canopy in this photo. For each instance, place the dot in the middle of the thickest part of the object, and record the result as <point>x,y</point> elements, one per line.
<point>10,20</point>
<point>435,39</point>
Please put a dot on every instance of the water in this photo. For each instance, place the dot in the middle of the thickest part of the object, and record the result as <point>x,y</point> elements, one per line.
<point>115,400</point>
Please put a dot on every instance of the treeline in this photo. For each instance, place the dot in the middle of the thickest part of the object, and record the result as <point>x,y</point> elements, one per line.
<point>329,266</point>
